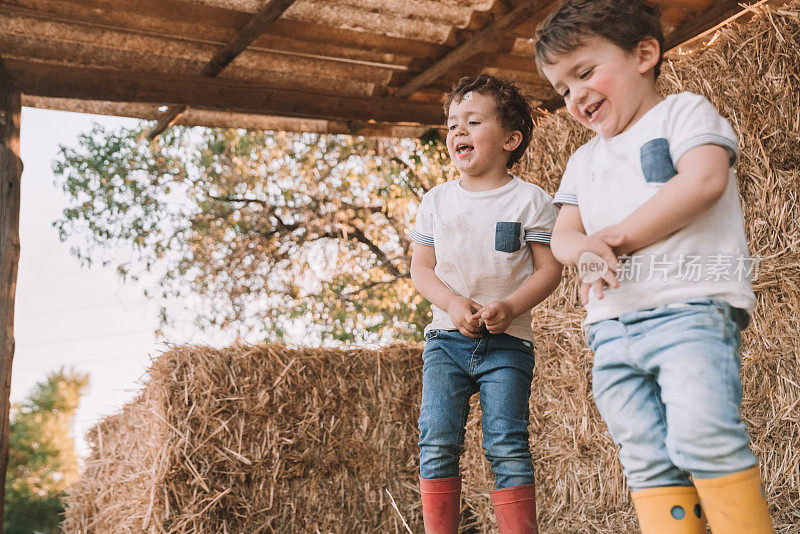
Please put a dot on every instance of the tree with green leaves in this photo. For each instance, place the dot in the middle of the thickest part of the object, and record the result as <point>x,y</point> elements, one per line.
<point>42,460</point>
<point>263,229</point>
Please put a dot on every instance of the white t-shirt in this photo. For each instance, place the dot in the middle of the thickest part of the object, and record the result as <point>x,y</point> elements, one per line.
<point>610,178</point>
<point>481,242</point>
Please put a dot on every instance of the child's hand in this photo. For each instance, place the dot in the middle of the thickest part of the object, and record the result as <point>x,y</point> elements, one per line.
<point>602,243</point>
<point>595,287</point>
<point>462,312</point>
<point>615,237</point>
<point>497,316</point>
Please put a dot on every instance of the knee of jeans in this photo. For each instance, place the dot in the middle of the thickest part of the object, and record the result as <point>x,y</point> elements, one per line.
<point>714,451</point>
<point>507,448</point>
<point>435,432</point>
<point>438,461</point>
<point>519,462</point>
<point>440,451</point>
<point>678,453</point>
<point>514,459</point>
<point>619,420</point>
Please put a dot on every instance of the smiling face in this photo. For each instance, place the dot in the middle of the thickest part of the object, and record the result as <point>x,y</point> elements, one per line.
<point>478,144</point>
<point>605,87</point>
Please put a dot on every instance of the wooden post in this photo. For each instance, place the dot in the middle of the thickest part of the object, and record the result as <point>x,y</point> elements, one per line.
<point>10,175</point>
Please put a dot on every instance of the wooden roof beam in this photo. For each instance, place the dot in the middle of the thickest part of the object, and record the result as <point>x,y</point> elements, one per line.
<point>266,16</point>
<point>119,85</point>
<point>224,119</point>
<point>476,44</point>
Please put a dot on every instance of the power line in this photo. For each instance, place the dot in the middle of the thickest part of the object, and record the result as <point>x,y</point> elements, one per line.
<point>82,338</point>
<point>85,307</point>
<point>75,362</point>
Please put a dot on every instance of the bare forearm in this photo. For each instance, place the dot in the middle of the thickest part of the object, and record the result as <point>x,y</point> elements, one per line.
<point>431,287</point>
<point>567,245</point>
<point>677,204</point>
<point>701,181</point>
<point>535,289</point>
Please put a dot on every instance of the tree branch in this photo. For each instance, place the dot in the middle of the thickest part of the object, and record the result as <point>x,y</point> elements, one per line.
<point>411,171</point>
<point>372,285</point>
<point>244,200</point>
<point>387,263</point>
<point>229,198</point>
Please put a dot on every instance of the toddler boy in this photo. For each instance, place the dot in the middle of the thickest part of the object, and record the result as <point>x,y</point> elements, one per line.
<point>482,258</point>
<point>656,184</point>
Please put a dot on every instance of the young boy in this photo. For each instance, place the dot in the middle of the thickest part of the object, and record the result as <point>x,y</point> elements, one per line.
<point>481,257</point>
<point>657,184</point>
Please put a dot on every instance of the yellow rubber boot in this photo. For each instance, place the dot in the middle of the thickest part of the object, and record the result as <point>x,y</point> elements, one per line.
<point>734,503</point>
<point>669,510</point>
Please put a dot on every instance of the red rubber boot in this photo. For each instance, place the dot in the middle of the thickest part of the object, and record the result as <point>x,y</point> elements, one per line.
<point>441,504</point>
<point>515,509</point>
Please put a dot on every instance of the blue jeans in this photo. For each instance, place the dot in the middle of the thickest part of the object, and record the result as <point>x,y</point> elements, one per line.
<point>455,367</point>
<point>666,381</point>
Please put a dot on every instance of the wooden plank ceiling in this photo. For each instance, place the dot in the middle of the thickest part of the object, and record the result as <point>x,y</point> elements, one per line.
<point>370,67</point>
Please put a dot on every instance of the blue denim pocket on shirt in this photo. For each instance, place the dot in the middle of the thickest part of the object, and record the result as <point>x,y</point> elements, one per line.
<point>656,162</point>
<point>507,236</point>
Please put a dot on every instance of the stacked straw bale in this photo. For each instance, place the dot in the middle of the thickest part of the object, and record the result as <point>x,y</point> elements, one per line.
<point>267,439</point>
<point>121,487</point>
<point>257,439</point>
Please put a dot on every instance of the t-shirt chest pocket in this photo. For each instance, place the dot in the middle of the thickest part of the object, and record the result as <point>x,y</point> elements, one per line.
<point>657,164</point>
<point>507,236</point>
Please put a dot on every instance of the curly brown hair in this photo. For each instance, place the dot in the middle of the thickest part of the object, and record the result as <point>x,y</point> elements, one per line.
<point>623,22</point>
<point>513,110</point>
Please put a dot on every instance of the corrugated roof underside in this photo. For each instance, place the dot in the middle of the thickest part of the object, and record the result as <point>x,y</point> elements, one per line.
<point>358,51</point>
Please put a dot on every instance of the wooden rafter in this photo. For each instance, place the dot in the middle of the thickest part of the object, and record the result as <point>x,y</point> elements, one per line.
<point>257,25</point>
<point>474,45</point>
<point>10,174</point>
<point>223,119</point>
<point>218,94</point>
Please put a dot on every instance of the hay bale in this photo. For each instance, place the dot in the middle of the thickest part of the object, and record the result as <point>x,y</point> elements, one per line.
<point>266,439</point>
<point>120,488</point>
<point>258,439</point>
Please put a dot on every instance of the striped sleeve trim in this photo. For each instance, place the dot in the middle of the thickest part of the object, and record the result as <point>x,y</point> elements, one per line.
<point>706,139</point>
<point>538,236</point>
<point>421,238</point>
<point>565,198</point>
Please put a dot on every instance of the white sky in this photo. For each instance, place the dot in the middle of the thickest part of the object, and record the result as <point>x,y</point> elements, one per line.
<point>66,315</point>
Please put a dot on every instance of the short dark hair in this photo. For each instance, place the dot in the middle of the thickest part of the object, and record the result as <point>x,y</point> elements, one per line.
<point>513,110</point>
<point>624,22</point>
